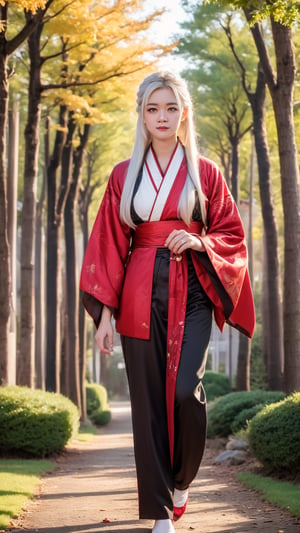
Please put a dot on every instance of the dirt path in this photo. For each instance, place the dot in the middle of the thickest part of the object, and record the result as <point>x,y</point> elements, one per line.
<point>93,489</point>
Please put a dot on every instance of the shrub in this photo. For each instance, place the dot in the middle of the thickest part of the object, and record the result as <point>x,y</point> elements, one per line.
<point>96,404</point>
<point>215,384</point>
<point>274,434</point>
<point>223,413</point>
<point>101,418</point>
<point>241,420</point>
<point>35,422</point>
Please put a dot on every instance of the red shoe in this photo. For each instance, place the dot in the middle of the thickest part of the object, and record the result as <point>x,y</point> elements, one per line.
<point>179,511</point>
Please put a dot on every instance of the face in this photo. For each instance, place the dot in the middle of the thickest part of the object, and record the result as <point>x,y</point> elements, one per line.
<point>162,115</point>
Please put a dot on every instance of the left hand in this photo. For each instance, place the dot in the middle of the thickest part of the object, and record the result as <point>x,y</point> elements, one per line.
<point>180,240</point>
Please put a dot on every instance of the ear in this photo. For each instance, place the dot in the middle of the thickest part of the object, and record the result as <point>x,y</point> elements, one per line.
<point>184,113</point>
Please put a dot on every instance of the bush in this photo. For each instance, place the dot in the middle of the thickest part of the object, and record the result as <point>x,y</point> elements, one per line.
<point>241,420</point>
<point>96,404</point>
<point>274,434</point>
<point>101,418</point>
<point>221,416</point>
<point>35,422</point>
<point>215,384</point>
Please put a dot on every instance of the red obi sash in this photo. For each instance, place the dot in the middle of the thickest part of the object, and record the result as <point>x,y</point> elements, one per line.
<point>154,234</point>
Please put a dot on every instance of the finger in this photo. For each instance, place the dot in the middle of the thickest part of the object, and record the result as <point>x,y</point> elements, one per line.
<point>174,238</point>
<point>109,343</point>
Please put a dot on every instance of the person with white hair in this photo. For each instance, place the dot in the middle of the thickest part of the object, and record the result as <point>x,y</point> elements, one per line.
<point>167,251</point>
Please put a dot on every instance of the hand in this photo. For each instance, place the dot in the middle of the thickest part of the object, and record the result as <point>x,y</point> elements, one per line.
<point>104,334</point>
<point>180,240</point>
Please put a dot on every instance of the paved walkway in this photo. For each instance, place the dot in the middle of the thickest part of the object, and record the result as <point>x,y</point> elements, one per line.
<point>93,489</point>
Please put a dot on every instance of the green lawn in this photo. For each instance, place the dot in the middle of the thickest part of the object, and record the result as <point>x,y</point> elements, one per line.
<point>282,493</point>
<point>18,481</point>
<point>20,477</point>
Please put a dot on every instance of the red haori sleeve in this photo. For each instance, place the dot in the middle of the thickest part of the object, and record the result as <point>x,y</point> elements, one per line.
<point>104,261</point>
<point>225,245</point>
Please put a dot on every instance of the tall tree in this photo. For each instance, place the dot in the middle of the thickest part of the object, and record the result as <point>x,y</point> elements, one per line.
<point>26,358</point>
<point>77,368</point>
<point>282,14</point>
<point>272,318</point>
<point>7,48</point>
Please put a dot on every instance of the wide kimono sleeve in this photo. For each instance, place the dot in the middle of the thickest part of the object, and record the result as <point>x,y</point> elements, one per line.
<point>223,270</point>
<point>103,267</point>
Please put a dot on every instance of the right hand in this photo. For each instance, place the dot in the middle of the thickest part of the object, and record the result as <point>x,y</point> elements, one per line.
<point>104,334</point>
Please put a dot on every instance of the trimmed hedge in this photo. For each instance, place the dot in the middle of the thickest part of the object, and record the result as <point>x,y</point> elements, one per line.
<point>215,385</point>
<point>222,415</point>
<point>274,435</point>
<point>242,419</point>
<point>35,422</point>
<point>97,405</point>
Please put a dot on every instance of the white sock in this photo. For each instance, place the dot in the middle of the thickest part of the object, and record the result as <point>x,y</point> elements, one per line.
<point>163,526</point>
<point>180,497</point>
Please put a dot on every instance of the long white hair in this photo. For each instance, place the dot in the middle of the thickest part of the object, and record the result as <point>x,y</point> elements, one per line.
<point>187,136</point>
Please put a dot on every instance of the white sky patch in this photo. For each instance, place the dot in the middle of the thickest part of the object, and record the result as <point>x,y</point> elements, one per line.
<point>167,29</point>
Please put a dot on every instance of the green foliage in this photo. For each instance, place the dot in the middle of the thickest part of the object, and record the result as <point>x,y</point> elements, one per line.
<point>36,422</point>
<point>241,420</point>
<point>281,493</point>
<point>215,384</point>
<point>96,404</point>
<point>274,434</point>
<point>223,413</point>
<point>285,12</point>
<point>101,417</point>
<point>19,478</point>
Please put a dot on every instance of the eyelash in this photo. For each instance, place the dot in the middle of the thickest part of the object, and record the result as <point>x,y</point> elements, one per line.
<point>153,109</point>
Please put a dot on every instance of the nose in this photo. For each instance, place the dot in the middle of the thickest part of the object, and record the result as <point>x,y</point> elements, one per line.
<point>162,116</point>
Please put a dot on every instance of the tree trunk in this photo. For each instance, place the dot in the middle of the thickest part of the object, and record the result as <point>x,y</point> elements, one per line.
<point>40,308</point>
<point>243,364</point>
<point>85,196</point>
<point>272,324</point>
<point>12,196</point>
<point>283,107</point>
<point>69,342</point>
<point>55,207</point>
<point>77,389</point>
<point>5,278</point>
<point>281,90</point>
<point>26,371</point>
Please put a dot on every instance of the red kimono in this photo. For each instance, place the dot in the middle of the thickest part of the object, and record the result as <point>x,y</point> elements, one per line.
<point>223,272</point>
<point>118,267</point>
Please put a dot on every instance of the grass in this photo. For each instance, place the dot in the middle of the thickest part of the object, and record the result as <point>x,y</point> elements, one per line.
<point>86,432</point>
<point>18,481</point>
<point>282,493</point>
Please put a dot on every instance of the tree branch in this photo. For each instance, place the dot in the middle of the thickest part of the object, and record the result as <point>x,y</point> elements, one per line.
<point>263,53</point>
<point>27,29</point>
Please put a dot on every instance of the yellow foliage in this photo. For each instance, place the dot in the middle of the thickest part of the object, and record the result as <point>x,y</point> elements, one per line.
<point>99,49</point>
<point>29,5</point>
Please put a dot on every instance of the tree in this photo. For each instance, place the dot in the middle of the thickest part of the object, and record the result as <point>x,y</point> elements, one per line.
<point>7,48</point>
<point>272,318</point>
<point>282,14</point>
<point>26,357</point>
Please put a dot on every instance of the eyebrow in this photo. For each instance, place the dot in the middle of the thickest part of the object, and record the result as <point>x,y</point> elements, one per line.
<point>168,103</point>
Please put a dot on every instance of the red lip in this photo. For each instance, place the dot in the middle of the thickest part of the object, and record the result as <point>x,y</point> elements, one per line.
<point>162,128</point>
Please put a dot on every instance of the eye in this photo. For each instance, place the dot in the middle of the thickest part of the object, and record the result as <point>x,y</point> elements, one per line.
<point>151,109</point>
<point>173,109</point>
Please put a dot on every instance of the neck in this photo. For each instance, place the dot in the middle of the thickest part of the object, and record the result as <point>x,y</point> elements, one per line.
<point>164,148</point>
<point>163,153</point>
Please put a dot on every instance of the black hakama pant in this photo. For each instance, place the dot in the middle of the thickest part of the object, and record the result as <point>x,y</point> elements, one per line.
<point>146,370</point>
